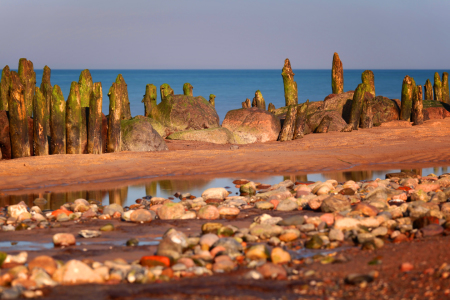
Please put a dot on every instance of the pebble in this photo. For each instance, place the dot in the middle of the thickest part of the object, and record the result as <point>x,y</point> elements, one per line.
<point>63,239</point>
<point>208,212</point>
<point>170,211</point>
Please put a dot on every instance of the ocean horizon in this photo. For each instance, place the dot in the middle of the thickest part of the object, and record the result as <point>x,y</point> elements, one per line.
<point>233,86</point>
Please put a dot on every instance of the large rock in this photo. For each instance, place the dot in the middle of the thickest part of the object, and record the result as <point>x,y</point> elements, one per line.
<point>341,103</point>
<point>181,112</point>
<point>212,135</point>
<point>435,110</point>
<point>384,110</point>
<point>337,122</point>
<point>251,125</point>
<point>138,135</point>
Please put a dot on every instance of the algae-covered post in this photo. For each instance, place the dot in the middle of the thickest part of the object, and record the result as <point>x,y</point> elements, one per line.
<point>417,110</point>
<point>28,78</point>
<point>57,122</point>
<point>86,85</point>
<point>290,86</point>
<point>358,98</point>
<point>95,120</point>
<point>445,90</point>
<point>74,121</point>
<point>258,101</point>
<point>337,75</point>
<point>122,86</point>
<point>5,82</point>
<point>419,92</point>
<point>246,103</point>
<point>428,90</point>
<point>18,121</point>
<point>437,87</point>
<point>407,98</point>
<point>115,106</point>
<point>165,90</point>
<point>188,89</point>
<point>212,100</point>
<point>46,88</point>
<point>40,123</point>
<point>149,99</point>
<point>287,132</point>
<point>368,79</point>
<point>300,121</point>
<point>271,108</point>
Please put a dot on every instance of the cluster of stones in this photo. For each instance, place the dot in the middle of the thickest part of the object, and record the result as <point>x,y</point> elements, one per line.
<point>369,214</point>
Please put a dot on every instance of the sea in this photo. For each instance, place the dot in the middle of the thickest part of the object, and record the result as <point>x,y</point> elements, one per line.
<point>232,87</point>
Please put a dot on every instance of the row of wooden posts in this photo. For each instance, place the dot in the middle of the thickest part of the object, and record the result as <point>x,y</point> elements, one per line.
<point>58,126</point>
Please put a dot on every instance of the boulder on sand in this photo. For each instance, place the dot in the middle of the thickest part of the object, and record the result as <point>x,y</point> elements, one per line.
<point>5,140</point>
<point>336,122</point>
<point>341,103</point>
<point>251,125</point>
<point>182,112</point>
<point>212,135</point>
<point>384,110</point>
<point>138,135</point>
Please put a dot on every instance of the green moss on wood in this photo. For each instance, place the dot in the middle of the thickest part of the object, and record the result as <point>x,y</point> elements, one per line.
<point>437,87</point>
<point>188,89</point>
<point>337,75</point>
<point>5,83</point>
<point>407,98</point>
<point>74,121</point>
<point>259,101</point>
<point>368,79</point>
<point>357,105</point>
<point>85,87</point>
<point>40,124</point>
<point>212,99</point>
<point>445,88</point>
<point>149,99</point>
<point>46,88</point>
<point>57,122</point>
<point>290,86</point>
<point>165,90</point>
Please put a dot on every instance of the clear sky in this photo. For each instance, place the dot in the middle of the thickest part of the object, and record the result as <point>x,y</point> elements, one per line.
<point>237,34</point>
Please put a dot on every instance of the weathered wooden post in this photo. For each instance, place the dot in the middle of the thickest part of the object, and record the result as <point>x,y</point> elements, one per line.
<point>5,82</point>
<point>122,86</point>
<point>368,79</point>
<point>188,89</point>
<point>417,110</point>
<point>428,90</point>
<point>165,90</point>
<point>290,86</point>
<point>287,132</point>
<point>437,87</point>
<point>258,101</point>
<point>46,88</point>
<point>74,120</point>
<point>40,124</point>
<point>271,108</point>
<point>407,97</point>
<point>28,78</point>
<point>358,98</point>
<point>366,119</point>
<point>95,120</point>
<point>246,103</point>
<point>212,100</point>
<point>337,75</point>
<point>58,122</point>
<point>85,88</point>
<point>419,92</point>
<point>115,112</point>
<point>445,89</point>
<point>149,99</point>
<point>18,121</point>
<point>300,122</point>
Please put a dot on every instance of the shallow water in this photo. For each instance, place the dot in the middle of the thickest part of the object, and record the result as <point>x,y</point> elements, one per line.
<point>126,195</point>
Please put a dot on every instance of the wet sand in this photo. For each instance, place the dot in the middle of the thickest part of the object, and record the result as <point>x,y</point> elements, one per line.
<point>394,145</point>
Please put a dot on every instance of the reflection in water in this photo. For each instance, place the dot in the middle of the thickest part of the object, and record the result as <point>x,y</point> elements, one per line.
<point>127,195</point>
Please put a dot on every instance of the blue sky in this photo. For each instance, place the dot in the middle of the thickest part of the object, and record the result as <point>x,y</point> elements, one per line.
<point>205,34</point>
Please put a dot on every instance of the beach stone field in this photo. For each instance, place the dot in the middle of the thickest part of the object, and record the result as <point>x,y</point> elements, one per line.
<point>312,240</point>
